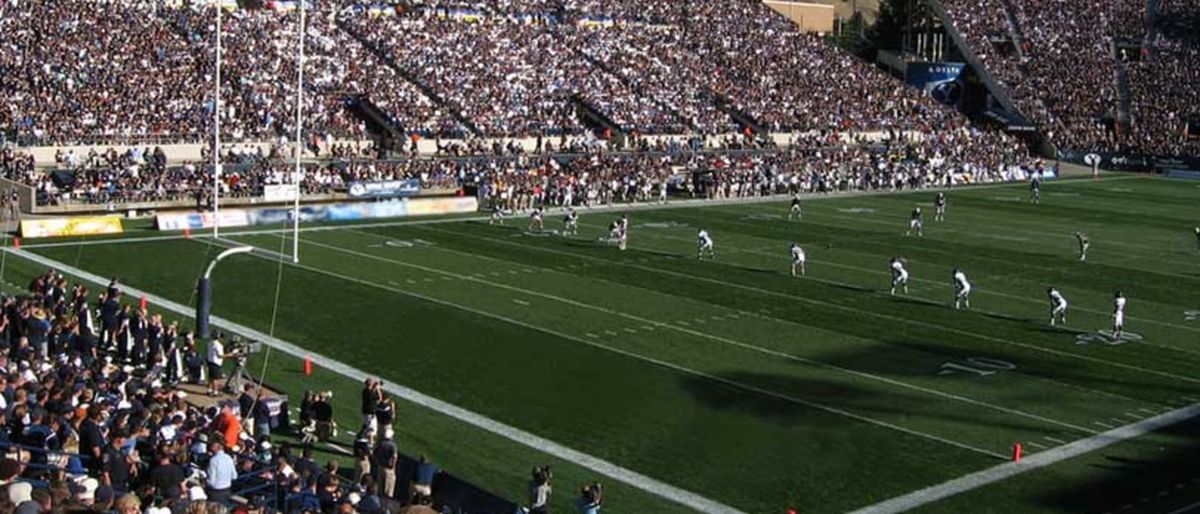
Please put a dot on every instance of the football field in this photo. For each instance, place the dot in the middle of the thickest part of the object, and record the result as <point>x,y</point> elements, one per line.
<point>741,386</point>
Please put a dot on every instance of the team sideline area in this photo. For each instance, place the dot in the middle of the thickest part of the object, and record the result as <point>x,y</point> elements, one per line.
<point>897,361</point>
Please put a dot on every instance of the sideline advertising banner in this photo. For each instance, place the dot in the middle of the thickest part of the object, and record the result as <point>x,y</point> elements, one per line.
<point>279,193</point>
<point>396,208</point>
<point>74,226</point>
<point>385,189</point>
<point>201,220</point>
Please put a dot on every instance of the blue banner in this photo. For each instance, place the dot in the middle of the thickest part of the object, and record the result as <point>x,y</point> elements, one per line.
<point>385,188</point>
<point>940,80</point>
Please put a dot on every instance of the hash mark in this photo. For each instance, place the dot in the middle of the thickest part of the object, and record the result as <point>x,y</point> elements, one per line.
<point>589,334</point>
<point>1036,445</point>
<point>630,330</point>
<point>513,272</point>
<point>1055,440</point>
<point>1103,424</point>
<point>520,302</point>
<point>410,281</point>
<point>1147,411</point>
<point>610,332</point>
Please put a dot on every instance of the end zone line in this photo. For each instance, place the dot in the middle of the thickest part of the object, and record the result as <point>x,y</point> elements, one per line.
<point>1038,460</point>
<point>629,477</point>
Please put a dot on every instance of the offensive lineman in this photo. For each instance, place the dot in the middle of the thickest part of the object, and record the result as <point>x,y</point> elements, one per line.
<point>704,244</point>
<point>570,223</point>
<point>915,224</point>
<point>535,219</point>
<point>899,275</point>
<point>962,290</point>
<point>1083,245</point>
<point>798,259</point>
<point>1118,316</point>
<point>1058,307</point>
<point>797,211</point>
<point>940,204</point>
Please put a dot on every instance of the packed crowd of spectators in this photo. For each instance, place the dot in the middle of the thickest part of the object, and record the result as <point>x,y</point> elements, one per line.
<point>951,158</point>
<point>134,70</point>
<point>1065,82</point>
<point>92,420</point>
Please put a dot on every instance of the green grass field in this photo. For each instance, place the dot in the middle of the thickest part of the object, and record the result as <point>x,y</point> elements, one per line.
<point>735,381</point>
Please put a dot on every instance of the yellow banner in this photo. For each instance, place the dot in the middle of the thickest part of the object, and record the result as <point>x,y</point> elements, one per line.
<point>79,226</point>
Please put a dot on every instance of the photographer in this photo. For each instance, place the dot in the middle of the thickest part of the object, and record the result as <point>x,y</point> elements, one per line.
<point>590,498</point>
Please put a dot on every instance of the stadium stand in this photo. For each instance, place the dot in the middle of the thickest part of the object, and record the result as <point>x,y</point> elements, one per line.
<point>95,418</point>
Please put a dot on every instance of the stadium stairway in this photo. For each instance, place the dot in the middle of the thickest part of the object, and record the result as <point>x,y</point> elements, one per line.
<point>1015,32</point>
<point>743,119</point>
<point>598,122</point>
<point>391,134</point>
<point>452,108</point>
<point>968,53</point>
<point>665,107</point>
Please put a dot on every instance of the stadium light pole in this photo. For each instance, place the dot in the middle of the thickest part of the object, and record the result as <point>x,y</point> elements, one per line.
<point>204,291</point>
<point>217,133</point>
<point>299,139</point>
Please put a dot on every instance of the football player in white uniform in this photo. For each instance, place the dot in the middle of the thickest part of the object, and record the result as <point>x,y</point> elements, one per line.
<point>797,211</point>
<point>535,219</point>
<point>570,222</point>
<point>497,215</point>
<point>798,259</point>
<point>914,223</point>
<point>962,290</point>
<point>899,275</point>
<point>1118,316</point>
<point>940,203</point>
<point>704,245</point>
<point>1058,307</point>
<point>1082,238</point>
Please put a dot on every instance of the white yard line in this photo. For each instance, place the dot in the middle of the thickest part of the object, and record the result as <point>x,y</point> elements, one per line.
<point>1035,461</point>
<point>632,478</point>
<point>709,336</point>
<point>739,385</point>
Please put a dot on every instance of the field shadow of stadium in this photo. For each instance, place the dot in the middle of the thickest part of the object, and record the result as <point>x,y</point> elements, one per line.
<point>793,400</point>
<point>1156,475</point>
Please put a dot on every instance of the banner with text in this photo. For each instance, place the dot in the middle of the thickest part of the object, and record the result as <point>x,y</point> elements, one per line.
<point>201,220</point>
<point>75,226</point>
<point>385,188</point>
<point>940,80</point>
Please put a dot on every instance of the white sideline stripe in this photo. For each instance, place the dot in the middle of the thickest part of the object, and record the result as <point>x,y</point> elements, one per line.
<point>632,478</point>
<point>857,312</point>
<point>1185,509</point>
<point>676,367</point>
<point>1038,460</point>
<point>720,339</point>
<point>808,197</point>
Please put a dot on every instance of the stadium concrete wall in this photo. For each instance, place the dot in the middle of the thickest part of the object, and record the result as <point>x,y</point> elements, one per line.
<point>808,16</point>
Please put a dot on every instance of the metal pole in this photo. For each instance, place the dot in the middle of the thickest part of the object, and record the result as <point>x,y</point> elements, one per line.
<point>204,291</point>
<point>299,140</point>
<point>217,134</point>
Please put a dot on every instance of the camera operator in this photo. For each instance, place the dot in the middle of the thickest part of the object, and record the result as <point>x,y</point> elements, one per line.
<point>216,359</point>
<point>590,498</point>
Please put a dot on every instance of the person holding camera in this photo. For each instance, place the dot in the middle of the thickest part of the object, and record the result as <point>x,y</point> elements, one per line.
<point>590,499</point>
<point>539,491</point>
<point>216,360</point>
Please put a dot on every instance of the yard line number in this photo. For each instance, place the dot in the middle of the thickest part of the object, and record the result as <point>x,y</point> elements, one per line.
<point>1106,337</point>
<point>975,366</point>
